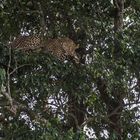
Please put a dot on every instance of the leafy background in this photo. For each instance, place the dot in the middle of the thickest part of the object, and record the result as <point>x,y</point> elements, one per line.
<point>96,99</point>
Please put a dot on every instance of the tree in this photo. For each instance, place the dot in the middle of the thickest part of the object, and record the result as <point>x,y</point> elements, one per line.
<point>43,97</point>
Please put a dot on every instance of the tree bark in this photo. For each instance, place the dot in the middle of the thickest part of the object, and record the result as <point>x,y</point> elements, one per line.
<point>76,112</point>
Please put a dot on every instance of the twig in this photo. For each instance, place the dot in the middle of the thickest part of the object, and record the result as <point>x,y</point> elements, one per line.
<point>18,68</point>
<point>8,74</point>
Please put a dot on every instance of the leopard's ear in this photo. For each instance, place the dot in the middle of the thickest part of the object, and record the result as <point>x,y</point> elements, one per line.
<point>77,46</point>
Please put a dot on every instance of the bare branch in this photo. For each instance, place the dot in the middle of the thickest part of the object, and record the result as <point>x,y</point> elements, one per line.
<point>19,68</point>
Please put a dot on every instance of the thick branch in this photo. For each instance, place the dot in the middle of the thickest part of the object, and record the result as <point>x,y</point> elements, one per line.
<point>118,18</point>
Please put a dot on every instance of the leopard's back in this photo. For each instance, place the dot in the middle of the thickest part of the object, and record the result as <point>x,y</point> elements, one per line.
<point>26,43</point>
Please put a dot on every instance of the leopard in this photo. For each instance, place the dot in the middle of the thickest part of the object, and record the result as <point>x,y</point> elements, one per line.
<point>62,48</point>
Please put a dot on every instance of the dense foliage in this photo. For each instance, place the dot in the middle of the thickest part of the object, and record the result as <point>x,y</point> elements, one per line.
<point>43,98</point>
